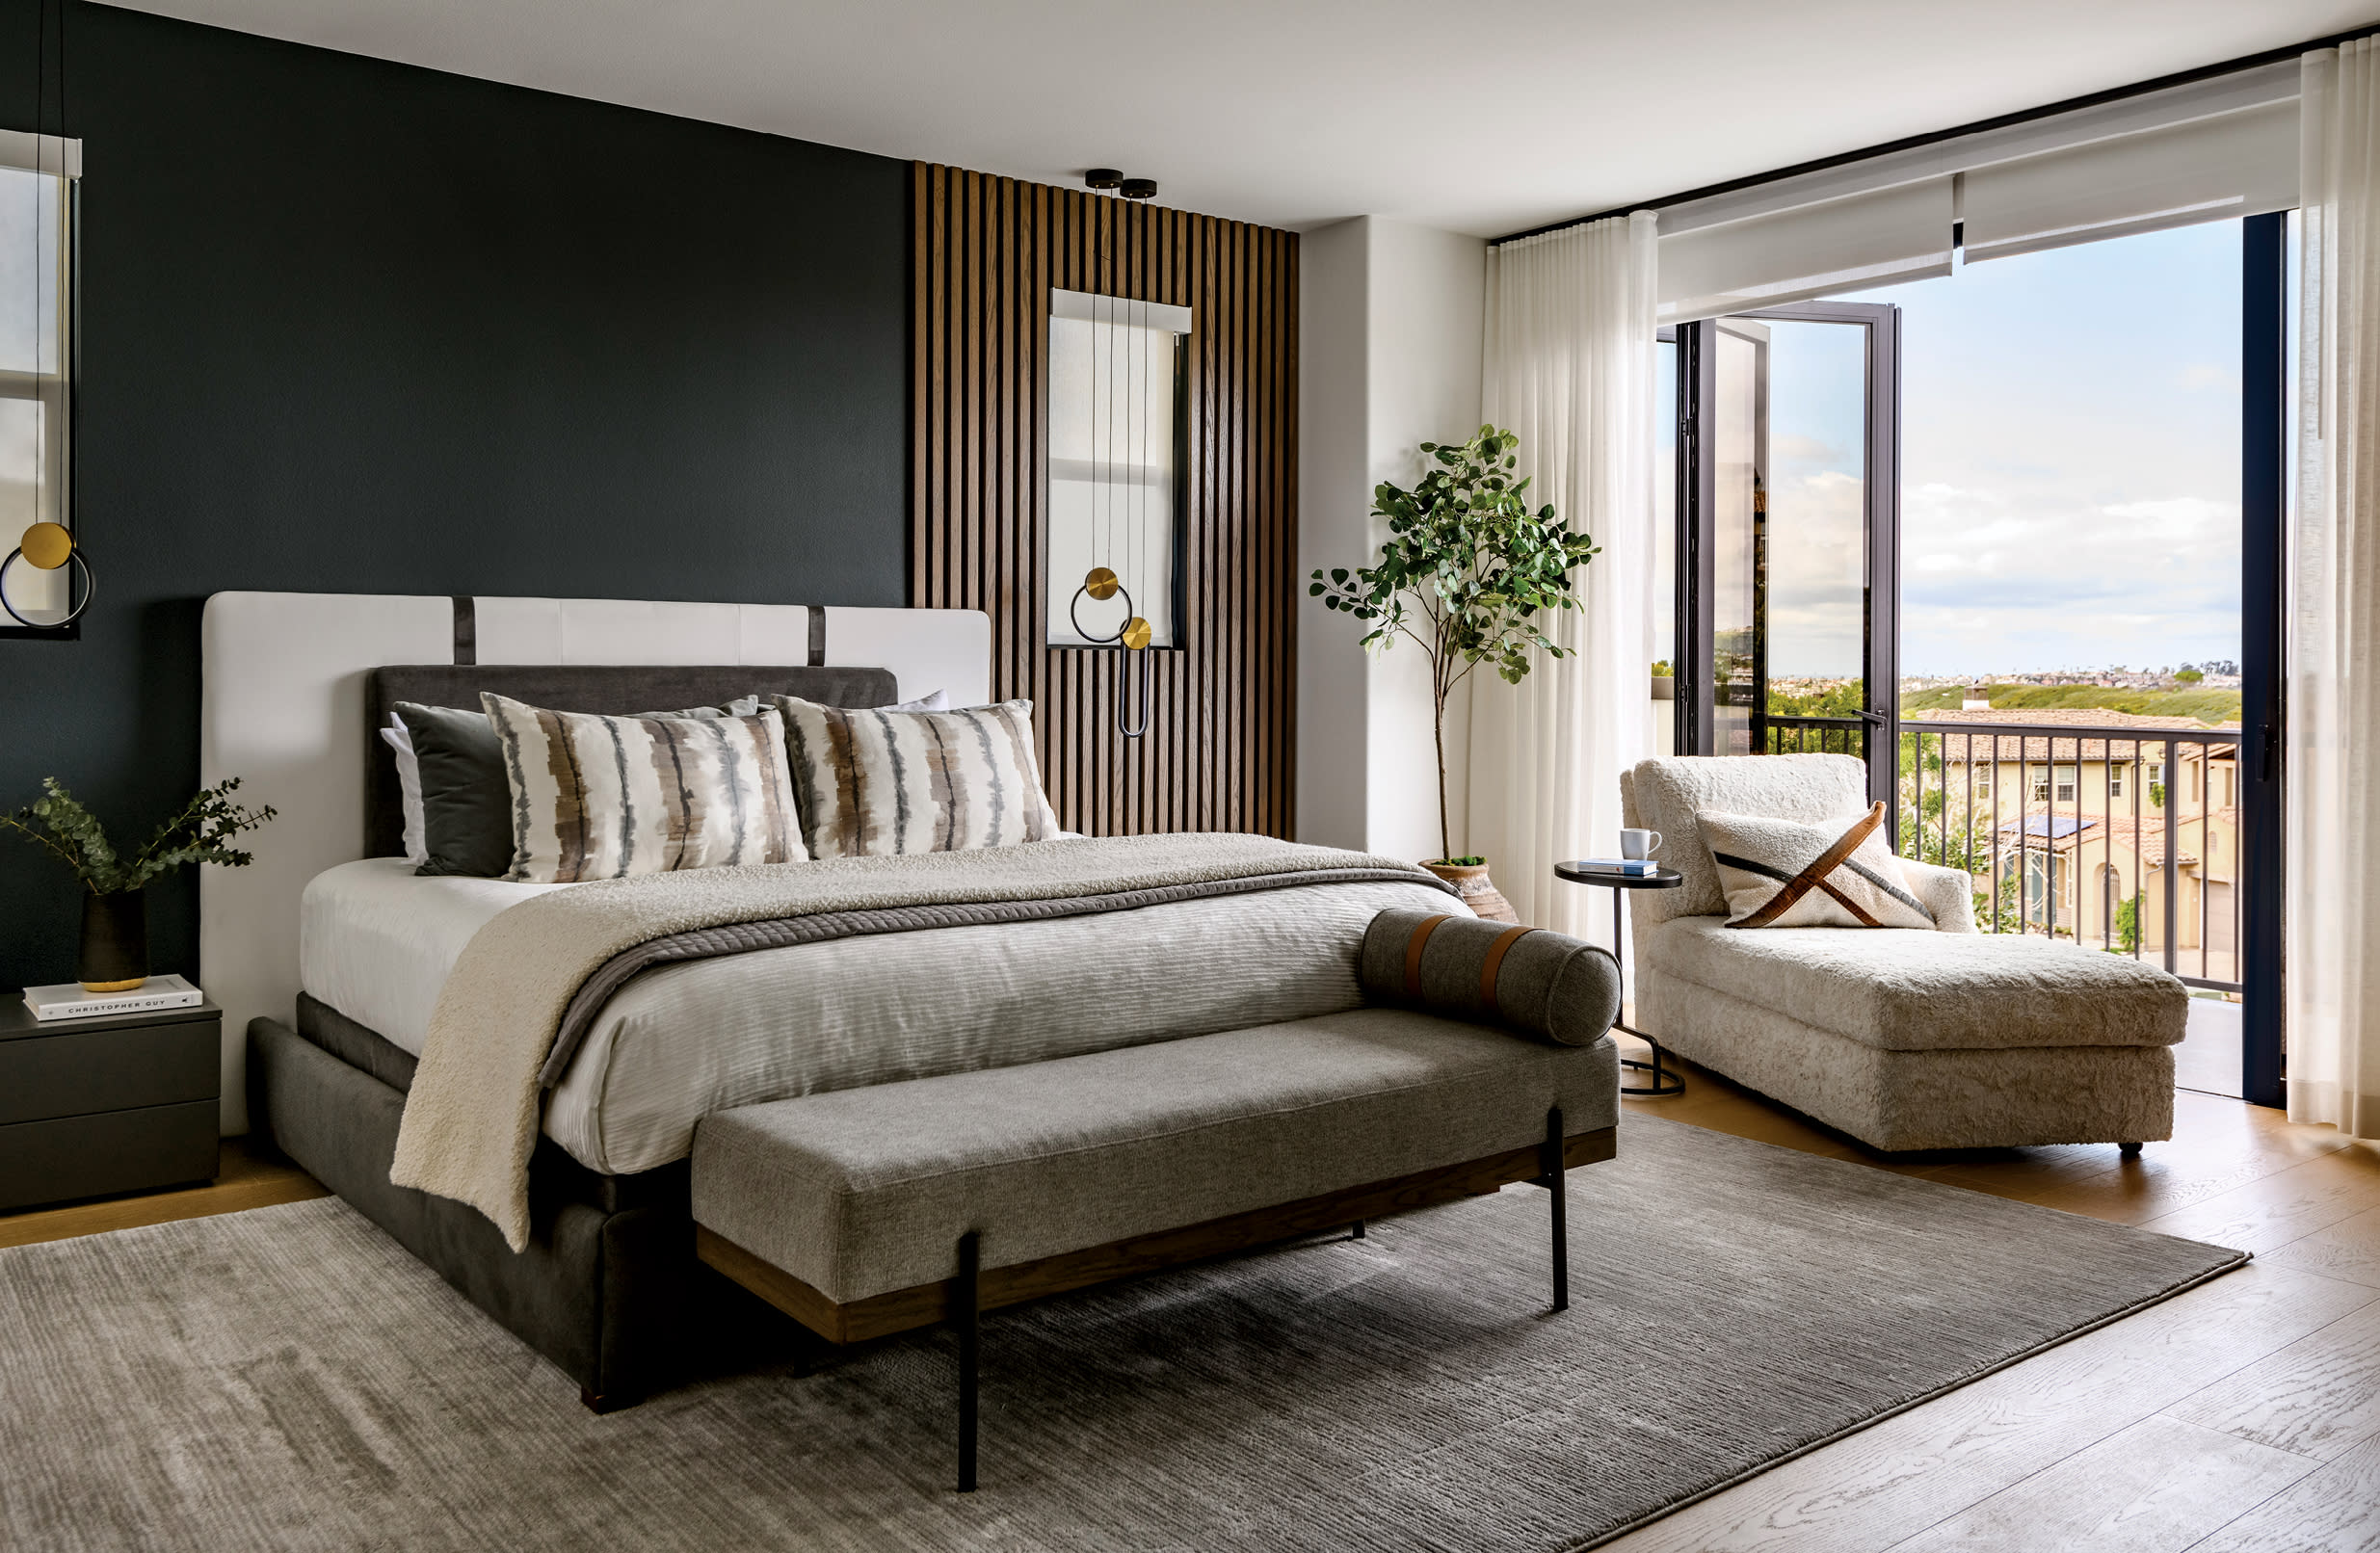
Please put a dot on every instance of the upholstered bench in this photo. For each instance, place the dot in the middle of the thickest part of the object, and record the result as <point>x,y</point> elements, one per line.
<point>871,1211</point>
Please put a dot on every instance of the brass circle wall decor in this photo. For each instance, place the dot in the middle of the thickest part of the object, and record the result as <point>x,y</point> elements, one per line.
<point>46,547</point>
<point>1135,634</point>
<point>1102,582</point>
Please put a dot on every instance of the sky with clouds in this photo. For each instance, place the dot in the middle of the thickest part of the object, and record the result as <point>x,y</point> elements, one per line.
<point>2070,457</point>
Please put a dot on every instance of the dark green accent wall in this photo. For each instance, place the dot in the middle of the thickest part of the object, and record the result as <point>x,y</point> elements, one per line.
<point>355,326</point>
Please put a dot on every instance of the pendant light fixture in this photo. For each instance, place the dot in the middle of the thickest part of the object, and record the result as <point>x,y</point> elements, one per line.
<point>1117,390</point>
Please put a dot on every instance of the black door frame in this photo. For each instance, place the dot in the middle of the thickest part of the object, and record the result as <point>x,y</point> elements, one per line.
<point>1697,518</point>
<point>2264,593</point>
<point>1694,488</point>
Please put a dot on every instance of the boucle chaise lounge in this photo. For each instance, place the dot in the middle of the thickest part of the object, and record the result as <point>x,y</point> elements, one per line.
<point>871,1211</point>
<point>1903,1038</point>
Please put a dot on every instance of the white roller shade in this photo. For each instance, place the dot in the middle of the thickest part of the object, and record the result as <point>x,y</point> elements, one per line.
<point>41,153</point>
<point>2218,168</point>
<point>1868,239</point>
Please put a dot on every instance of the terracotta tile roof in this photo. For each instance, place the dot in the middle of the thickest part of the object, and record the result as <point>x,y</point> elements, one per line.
<point>2144,838</point>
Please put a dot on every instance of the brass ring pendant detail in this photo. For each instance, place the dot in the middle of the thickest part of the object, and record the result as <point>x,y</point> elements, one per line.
<point>1103,577</point>
<point>73,559</point>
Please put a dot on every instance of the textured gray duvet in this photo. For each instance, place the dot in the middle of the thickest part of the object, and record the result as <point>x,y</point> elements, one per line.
<point>694,1037</point>
<point>862,970</point>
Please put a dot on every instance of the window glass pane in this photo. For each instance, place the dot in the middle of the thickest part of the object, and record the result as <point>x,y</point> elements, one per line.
<point>1818,488</point>
<point>1739,451</point>
<point>29,292</point>
<point>39,597</point>
<point>1114,407</point>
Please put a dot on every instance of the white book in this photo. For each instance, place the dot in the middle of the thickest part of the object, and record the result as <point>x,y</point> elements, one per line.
<point>68,1000</point>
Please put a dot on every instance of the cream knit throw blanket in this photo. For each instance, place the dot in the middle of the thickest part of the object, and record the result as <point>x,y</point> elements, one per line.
<point>471,1116</point>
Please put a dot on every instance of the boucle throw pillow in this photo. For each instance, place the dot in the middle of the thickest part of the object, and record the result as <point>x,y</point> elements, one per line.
<point>871,782</point>
<point>599,796</point>
<point>1783,874</point>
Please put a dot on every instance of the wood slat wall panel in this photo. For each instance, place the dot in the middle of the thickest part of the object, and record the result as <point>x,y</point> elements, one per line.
<point>1220,753</point>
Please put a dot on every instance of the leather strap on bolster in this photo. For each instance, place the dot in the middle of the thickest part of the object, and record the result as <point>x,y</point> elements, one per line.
<point>1413,955</point>
<point>1496,963</point>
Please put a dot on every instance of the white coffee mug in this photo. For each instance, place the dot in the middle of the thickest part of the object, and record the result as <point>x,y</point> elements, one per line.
<point>1637,845</point>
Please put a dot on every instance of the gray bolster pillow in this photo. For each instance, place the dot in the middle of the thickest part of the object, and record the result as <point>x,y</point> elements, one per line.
<point>1541,984</point>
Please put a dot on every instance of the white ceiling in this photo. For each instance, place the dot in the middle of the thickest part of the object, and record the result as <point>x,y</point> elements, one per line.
<point>1482,115</point>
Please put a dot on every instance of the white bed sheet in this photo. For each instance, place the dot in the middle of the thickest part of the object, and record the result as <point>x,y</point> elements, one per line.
<point>376,939</point>
<point>681,1041</point>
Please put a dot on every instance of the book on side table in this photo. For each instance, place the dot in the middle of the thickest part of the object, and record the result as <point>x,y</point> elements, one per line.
<point>68,1000</point>
<point>1624,867</point>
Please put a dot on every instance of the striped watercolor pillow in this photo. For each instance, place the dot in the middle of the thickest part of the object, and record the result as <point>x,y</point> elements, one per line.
<point>604,797</point>
<point>872,782</point>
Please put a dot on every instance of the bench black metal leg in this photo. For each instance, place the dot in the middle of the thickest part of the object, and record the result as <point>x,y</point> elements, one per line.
<point>1357,1233</point>
<point>966,1316</point>
<point>1556,1178</point>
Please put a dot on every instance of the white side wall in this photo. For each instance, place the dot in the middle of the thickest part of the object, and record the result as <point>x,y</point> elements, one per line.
<point>1334,461</point>
<point>1389,343</point>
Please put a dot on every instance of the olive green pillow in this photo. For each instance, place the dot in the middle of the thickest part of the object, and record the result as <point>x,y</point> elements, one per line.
<point>1538,982</point>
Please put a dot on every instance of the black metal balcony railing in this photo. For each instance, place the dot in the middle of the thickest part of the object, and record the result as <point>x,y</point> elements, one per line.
<point>2119,838</point>
<point>1815,735</point>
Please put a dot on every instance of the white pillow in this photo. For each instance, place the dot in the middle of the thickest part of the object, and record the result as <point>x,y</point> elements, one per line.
<point>939,701</point>
<point>1837,874</point>
<point>409,788</point>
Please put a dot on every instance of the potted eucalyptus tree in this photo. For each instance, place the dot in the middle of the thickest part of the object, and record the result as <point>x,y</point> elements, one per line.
<point>1466,573</point>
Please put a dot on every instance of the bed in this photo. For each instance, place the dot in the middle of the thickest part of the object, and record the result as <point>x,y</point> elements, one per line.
<point>333,952</point>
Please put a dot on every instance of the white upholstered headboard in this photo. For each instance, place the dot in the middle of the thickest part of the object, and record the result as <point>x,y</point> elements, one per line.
<point>283,709</point>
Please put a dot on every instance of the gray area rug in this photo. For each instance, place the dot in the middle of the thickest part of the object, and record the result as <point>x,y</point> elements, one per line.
<point>289,1378</point>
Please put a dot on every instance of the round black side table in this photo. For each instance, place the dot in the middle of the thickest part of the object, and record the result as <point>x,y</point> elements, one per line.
<point>1664,1082</point>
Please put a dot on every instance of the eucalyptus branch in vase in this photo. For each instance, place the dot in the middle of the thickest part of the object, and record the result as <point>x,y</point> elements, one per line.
<point>115,950</point>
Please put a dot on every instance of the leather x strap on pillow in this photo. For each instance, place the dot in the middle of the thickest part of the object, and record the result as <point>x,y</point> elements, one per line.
<point>1784,874</point>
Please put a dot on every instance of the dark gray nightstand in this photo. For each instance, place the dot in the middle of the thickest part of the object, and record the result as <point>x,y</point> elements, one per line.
<point>93,1107</point>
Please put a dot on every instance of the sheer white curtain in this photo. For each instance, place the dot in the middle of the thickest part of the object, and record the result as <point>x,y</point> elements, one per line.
<point>2334,822</point>
<point>1570,367</point>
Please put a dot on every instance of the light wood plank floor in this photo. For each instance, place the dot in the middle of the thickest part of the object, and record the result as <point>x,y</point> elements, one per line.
<point>242,1182</point>
<point>2243,1416</point>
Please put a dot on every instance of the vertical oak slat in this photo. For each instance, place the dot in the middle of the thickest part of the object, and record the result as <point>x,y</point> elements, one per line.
<point>986,252</point>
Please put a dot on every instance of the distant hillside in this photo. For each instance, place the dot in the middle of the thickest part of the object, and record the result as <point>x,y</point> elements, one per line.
<point>2208,706</point>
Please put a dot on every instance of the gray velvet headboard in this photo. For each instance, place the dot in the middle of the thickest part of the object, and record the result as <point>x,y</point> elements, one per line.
<point>579,688</point>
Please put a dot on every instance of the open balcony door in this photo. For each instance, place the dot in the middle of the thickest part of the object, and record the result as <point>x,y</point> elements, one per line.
<point>1788,533</point>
